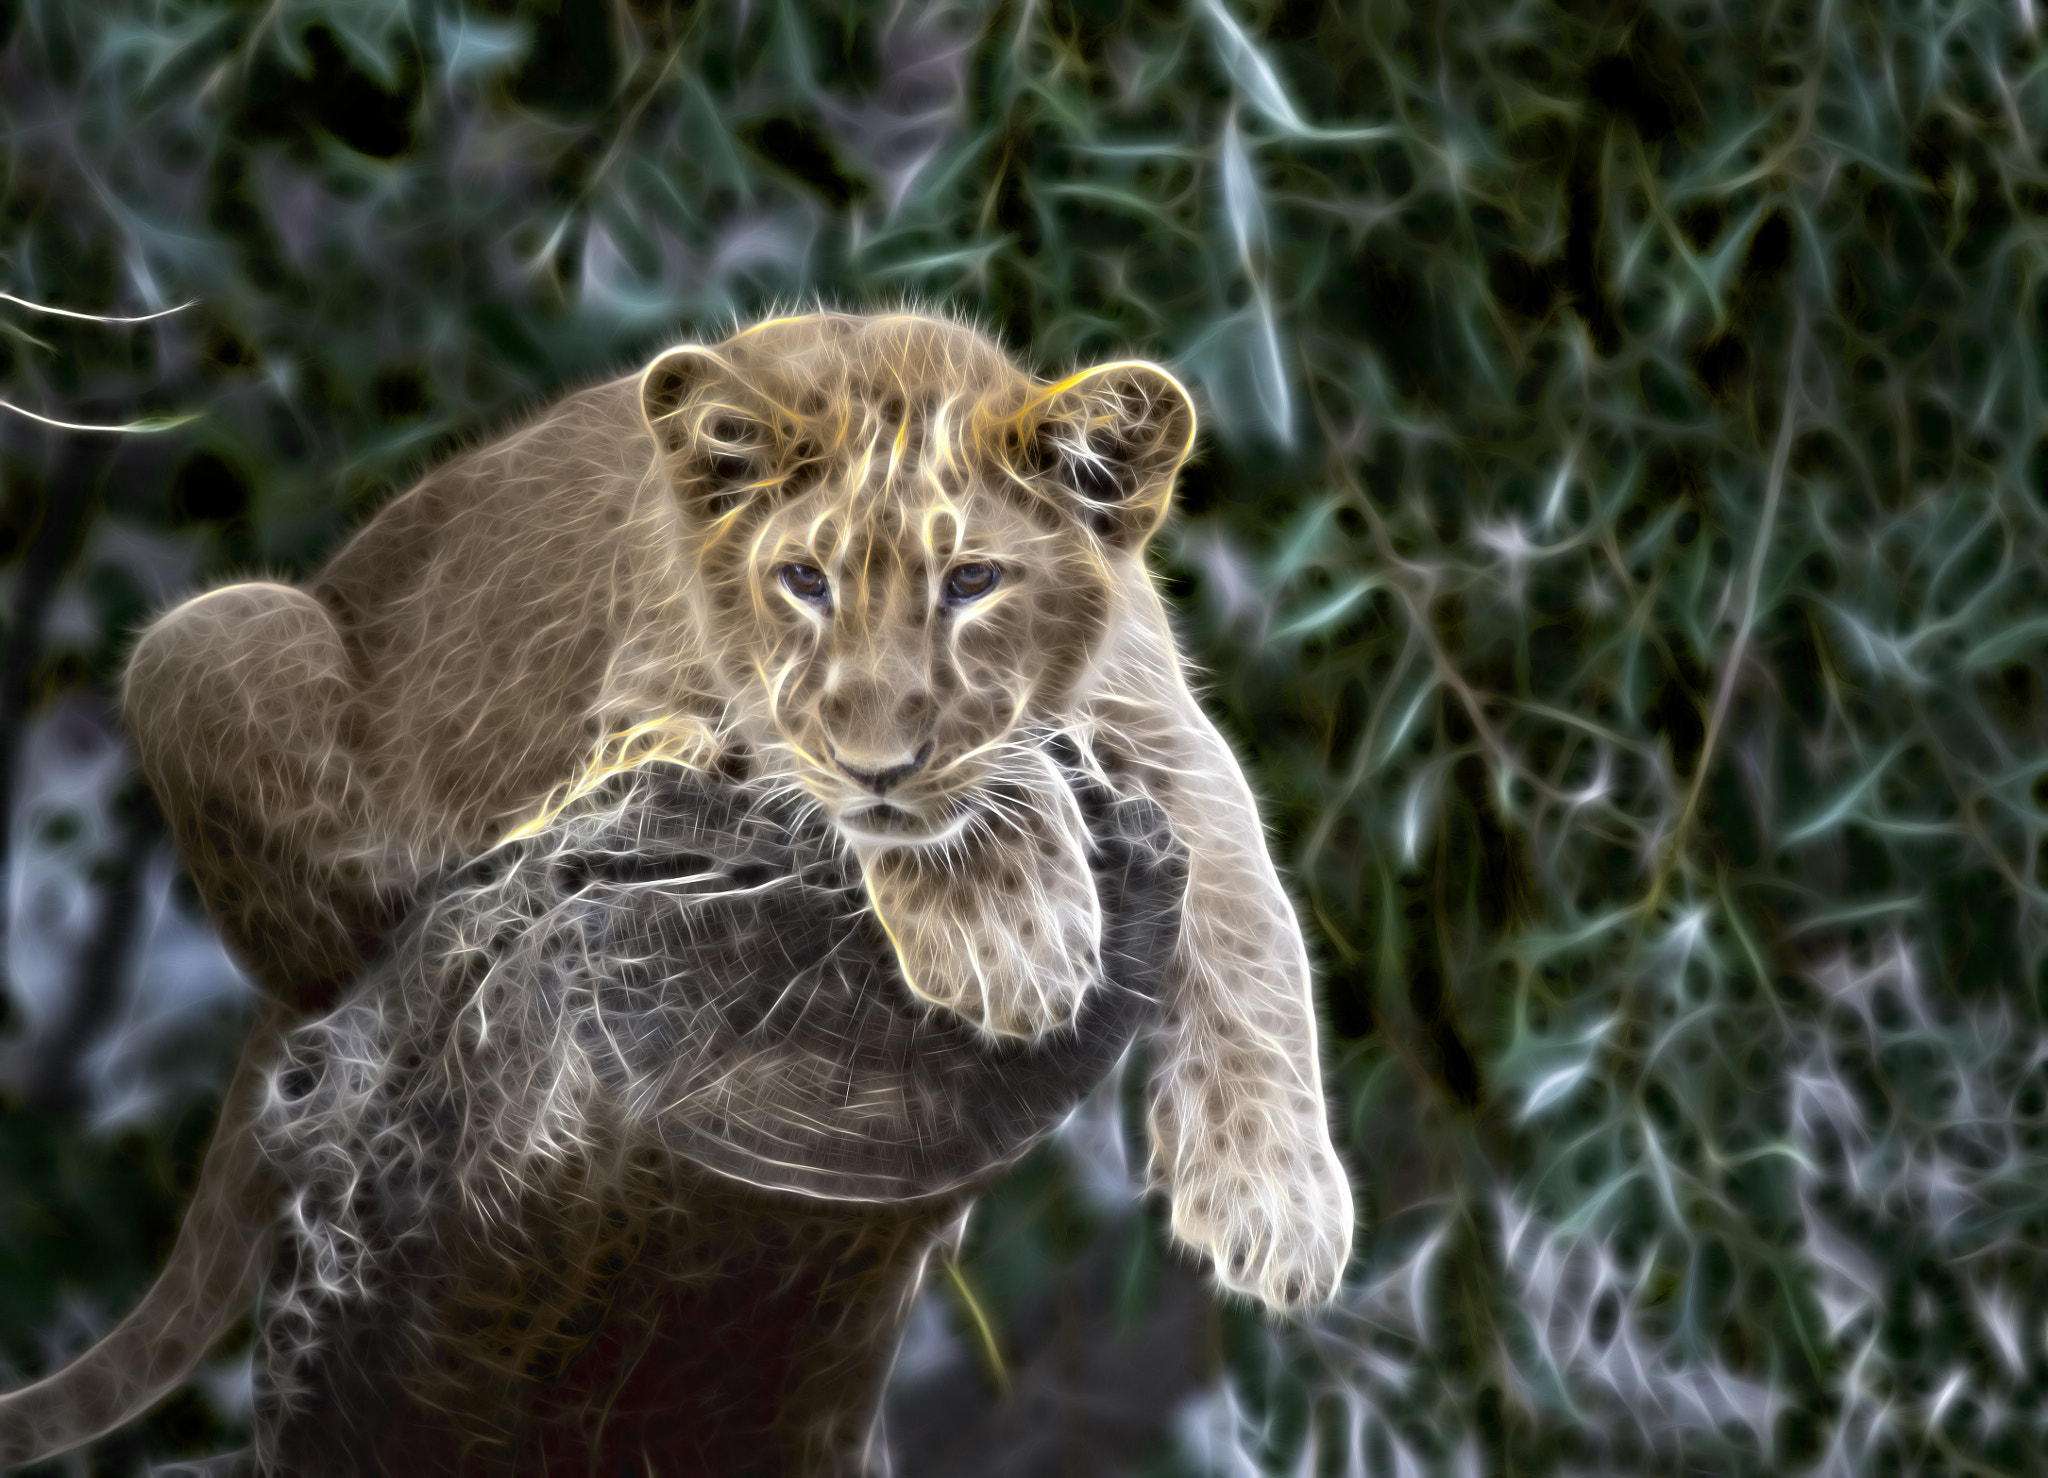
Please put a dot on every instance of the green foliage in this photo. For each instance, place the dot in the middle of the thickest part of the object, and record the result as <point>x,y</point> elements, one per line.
<point>1619,543</point>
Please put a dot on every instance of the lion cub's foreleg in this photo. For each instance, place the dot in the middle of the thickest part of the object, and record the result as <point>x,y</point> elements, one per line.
<point>1240,1132</point>
<point>1002,927</point>
<point>1000,923</point>
<point>1239,1127</point>
<point>234,701</point>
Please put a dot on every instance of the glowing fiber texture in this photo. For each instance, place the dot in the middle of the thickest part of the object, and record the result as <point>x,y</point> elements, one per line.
<point>633,1152</point>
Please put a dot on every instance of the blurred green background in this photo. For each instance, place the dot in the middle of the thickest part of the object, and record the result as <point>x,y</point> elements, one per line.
<point>1618,544</point>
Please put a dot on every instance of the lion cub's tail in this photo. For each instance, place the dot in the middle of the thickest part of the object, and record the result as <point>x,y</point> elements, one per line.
<point>204,1287</point>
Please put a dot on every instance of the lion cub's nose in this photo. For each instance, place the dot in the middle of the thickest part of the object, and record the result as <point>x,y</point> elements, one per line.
<point>879,778</point>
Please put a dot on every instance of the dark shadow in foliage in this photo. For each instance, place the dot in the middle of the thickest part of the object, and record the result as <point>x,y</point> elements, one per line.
<point>799,146</point>
<point>338,99</point>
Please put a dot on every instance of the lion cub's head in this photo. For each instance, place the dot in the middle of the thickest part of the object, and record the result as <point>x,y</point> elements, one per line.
<point>908,549</point>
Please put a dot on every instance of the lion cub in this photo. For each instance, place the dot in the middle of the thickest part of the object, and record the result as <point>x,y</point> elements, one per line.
<point>866,557</point>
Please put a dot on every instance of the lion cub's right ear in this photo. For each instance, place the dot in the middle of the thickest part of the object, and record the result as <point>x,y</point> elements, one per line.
<point>716,447</point>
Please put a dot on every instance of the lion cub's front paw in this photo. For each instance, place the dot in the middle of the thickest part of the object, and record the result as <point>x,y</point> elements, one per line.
<point>1002,924</point>
<point>1276,1224</point>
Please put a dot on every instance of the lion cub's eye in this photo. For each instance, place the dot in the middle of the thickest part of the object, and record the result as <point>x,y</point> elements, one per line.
<point>806,582</point>
<point>969,582</point>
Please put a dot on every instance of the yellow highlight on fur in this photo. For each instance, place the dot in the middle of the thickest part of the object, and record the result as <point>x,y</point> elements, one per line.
<point>676,739</point>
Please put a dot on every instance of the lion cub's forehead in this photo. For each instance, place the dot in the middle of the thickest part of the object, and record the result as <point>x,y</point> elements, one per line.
<point>859,383</point>
<point>871,442</point>
<point>898,531</point>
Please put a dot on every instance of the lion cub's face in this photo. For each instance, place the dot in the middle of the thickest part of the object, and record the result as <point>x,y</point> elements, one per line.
<point>908,550</point>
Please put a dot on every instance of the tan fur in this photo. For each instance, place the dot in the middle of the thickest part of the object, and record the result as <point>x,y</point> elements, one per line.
<point>619,567</point>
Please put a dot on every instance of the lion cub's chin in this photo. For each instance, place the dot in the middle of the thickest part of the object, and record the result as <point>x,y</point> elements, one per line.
<point>869,824</point>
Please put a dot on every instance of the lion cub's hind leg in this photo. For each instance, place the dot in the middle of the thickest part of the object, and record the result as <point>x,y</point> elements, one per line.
<point>1001,923</point>
<point>234,701</point>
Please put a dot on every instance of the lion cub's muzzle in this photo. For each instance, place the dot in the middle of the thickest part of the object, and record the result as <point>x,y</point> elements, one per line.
<point>888,807</point>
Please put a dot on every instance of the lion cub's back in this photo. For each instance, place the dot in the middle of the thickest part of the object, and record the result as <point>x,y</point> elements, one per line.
<point>481,608</point>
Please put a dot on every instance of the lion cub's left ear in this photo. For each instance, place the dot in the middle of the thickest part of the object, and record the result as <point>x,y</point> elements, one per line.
<point>1113,438</point>
<point>667,384</point>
